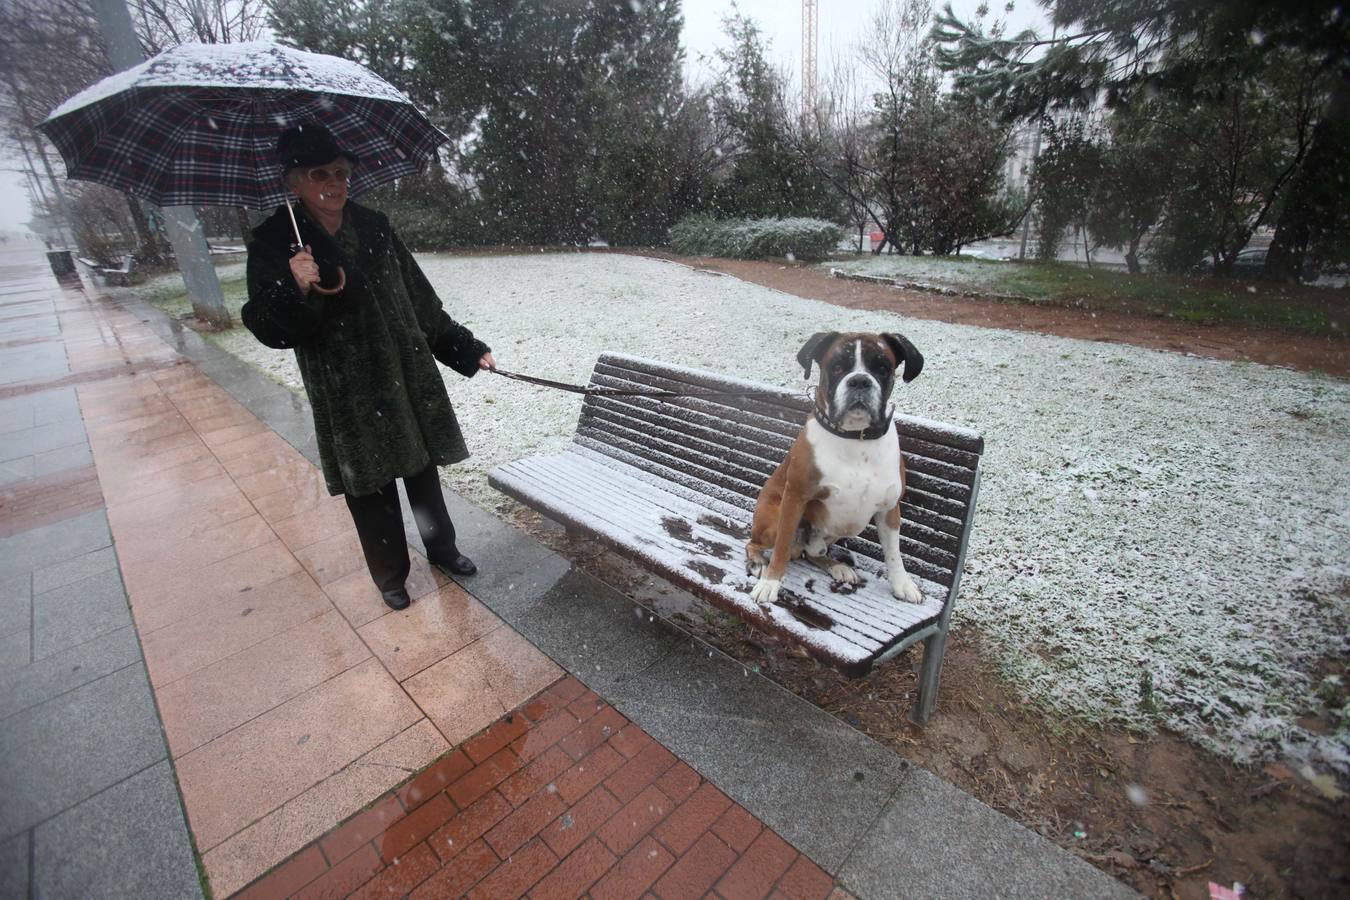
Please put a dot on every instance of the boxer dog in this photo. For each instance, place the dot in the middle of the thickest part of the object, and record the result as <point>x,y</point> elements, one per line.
<point>843,470</point>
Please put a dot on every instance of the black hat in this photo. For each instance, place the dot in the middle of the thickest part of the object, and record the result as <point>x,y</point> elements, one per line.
<point>309,145</point>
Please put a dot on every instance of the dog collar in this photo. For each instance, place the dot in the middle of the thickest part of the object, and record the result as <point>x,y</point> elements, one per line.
<point>867,434</point>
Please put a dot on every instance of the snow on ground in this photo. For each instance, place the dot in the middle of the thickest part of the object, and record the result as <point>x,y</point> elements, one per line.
<point>943,270</point>
<point>1159,538</point>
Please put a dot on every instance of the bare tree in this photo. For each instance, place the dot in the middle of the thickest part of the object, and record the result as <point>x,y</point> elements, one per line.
<point>162,24</point>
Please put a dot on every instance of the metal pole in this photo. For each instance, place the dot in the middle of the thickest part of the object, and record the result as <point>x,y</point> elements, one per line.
<point>185,230</point>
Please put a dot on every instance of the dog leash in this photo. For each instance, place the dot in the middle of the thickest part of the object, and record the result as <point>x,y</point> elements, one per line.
<point>599,391</point>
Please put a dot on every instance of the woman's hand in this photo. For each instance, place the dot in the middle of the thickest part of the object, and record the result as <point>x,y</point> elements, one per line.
<point>487,362</point>
<point>304,269</point>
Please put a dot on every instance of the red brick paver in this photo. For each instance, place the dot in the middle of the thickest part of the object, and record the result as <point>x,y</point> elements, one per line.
<point>599,809</point>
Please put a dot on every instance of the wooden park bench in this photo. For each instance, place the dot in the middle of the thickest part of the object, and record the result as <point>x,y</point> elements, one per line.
<point>123,275</point>
<point>672,483</point>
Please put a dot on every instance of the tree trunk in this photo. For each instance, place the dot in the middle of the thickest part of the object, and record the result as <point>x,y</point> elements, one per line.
<point>1315,198</point>
<point>1132,255</point>
<point>241,222</point>
<point>150,244</point>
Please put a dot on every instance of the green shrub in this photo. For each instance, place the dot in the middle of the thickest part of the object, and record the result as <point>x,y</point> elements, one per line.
<point>702,235</point>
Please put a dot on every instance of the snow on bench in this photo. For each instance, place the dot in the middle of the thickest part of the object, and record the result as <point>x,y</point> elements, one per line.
<point>121,276</point>
<point>672,483</point>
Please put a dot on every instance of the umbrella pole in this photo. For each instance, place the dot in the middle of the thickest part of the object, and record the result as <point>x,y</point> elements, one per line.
<point>294,224</point>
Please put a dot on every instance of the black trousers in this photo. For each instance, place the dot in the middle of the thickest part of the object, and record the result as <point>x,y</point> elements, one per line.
<point>379,523</point>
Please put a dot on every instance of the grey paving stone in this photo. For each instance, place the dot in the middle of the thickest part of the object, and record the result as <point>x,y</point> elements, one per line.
<point>40,439</point>
<point>78,612</point>
<point>129,841</point>
<point>38,408</point>
<point>59,405</point>
<point>814,779</point>
<point>16,650</point>
<point>16,604</point>
<point>935,841</point>
<point>73,570</point>
<point>596,632</point>
<point>65,750</point>
<point>32,362</point>
<point>14,858</point>
<point>16,470</point>
<point>39,681</point>
<point>16,414</point>
<point>55,543</point>
<point>73,457</point>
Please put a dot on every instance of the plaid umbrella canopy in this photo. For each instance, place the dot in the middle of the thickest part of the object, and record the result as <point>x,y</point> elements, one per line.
<point>198,124</point>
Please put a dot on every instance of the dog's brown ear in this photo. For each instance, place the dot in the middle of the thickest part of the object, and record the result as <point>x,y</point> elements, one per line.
<point>907,354</point>
<point>811,350</point>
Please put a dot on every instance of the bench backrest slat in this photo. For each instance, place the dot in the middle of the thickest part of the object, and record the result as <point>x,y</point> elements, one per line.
<point>723,448</point>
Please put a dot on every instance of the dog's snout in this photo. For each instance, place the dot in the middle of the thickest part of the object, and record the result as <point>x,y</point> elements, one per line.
<point>858,382</point>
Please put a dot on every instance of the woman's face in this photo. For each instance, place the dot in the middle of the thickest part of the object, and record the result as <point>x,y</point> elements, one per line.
<point>323,188</point>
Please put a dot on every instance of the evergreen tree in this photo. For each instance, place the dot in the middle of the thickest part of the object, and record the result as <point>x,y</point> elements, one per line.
<point>767,177</point>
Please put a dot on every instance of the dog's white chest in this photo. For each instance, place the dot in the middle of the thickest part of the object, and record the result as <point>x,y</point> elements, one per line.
<point>863,478</point>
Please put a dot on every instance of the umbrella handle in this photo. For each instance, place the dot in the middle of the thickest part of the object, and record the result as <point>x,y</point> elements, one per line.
<point>342,283</point>
<point>342,276</point>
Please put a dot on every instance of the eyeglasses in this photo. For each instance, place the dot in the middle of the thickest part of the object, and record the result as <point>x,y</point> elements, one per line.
<point>321,175</point>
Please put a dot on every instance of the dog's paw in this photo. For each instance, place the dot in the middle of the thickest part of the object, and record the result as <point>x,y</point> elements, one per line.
<point>904,589</point>
<point>754,569</point>
<point>843,574</point>
<point>765,591</point>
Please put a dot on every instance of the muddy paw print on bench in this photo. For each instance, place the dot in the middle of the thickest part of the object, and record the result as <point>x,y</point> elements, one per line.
<point>672,482</point>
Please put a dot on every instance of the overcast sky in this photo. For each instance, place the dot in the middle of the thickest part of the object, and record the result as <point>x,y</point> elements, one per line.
<point>841,26</point>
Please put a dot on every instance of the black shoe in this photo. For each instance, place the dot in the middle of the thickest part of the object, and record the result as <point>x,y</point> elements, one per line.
<point>459,564</point>
<point>396,598</point>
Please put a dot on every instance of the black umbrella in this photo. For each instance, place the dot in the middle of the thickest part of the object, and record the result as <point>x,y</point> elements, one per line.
<point>198,124</point>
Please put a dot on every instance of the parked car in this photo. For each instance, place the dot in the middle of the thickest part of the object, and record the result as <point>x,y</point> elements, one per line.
<point>1249,262</point>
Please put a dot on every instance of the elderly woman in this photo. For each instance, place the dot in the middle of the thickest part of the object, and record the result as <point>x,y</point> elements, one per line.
<point>367,354</point>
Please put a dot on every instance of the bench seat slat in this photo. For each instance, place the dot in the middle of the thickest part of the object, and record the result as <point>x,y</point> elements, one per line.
<point>864,623</point>
<point>670,556</point>
<point>599,479</point>
<point>735,528</point>
<point>861,616</point>
<point>936,562</point>
<point>690,482</point>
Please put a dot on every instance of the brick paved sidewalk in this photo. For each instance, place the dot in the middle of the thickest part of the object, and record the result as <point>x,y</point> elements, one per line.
<point>291,697</point>
<point>560,799</point>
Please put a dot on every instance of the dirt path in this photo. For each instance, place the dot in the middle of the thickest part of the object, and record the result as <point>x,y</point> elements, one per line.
<point>1276,348</point>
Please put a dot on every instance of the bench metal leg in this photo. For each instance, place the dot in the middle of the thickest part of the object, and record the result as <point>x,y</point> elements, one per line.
<point>930,674</point>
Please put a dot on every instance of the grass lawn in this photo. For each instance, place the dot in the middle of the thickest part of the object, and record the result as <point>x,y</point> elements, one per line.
<point>1300,309</point>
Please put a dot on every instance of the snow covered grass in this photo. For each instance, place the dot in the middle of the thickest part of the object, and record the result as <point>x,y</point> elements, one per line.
<point>961,272</point>
<point>1160,539</point>
<point>1305,310</point>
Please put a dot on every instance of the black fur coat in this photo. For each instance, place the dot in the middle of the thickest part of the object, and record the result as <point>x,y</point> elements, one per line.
<point>367,355</point>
